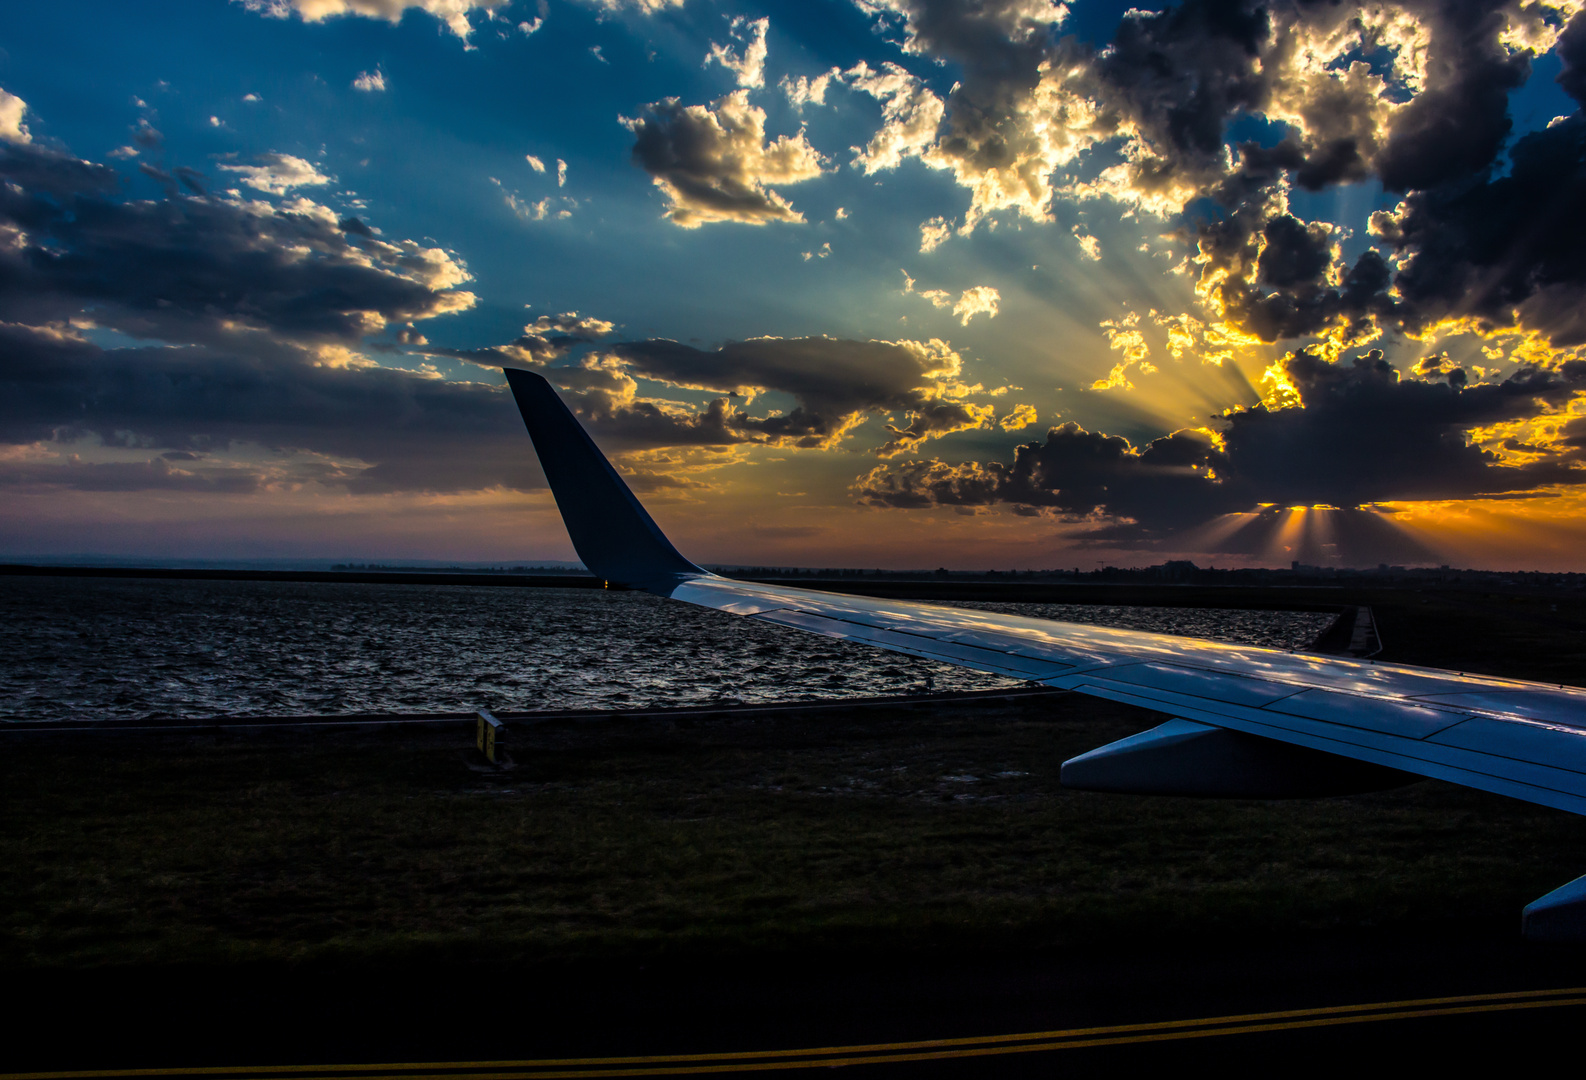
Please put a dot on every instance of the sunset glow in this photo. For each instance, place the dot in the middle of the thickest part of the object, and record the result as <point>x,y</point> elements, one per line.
<point>884,283</point>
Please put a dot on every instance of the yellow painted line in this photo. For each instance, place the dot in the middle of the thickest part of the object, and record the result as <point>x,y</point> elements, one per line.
<point>875,1053</point>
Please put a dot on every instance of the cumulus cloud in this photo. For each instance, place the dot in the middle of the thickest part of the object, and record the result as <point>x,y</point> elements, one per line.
<point>1413,93</point>
<point>277,174</point>
<point>1124,336</point>
<point>1002,136</point>
<point>454,13</point>
<point>938,298</point>
<point>12,111</point>
<point>713,163</point>
<point>1021,417</point>
<point>534,163</point>
<point>1359,434</point>
<point>649,7</point>
<point>910,113</point>
<point>146,135</point>
<point>585,327</point>
<point>805,90</point>
<point>978,300</point>
<point>546,339</point>
<point>606,398</point>
<point>747,61</point>
<point>551,206</point>
<point>370,82</point>
<point>933,234</point>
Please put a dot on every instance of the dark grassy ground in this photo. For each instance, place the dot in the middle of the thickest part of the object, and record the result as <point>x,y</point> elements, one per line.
<point>872,832</point>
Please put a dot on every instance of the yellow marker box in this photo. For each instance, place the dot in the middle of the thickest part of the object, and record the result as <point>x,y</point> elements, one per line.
<point>488,726</point>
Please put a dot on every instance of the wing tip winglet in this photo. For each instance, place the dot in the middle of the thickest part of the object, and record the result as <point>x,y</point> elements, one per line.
<point>611,531</point>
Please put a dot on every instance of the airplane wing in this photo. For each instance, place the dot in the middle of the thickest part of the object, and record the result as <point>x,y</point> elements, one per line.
<point>1247,721</point>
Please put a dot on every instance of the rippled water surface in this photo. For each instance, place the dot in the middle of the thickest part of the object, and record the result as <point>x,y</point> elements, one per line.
<point>96,649</point>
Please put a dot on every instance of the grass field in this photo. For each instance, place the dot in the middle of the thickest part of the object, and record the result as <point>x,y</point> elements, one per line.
<point>796,836</point>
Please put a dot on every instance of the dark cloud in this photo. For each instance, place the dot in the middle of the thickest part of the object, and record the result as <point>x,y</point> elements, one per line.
<point>259,341</point>
<point>1027,101</point>
<point>606,398</point>
<point>1074,472</point>
<point>1572,50</point>
<point>364,428</point>
<point>194,269</point>
<point>835,383</point>
<point>828,375</point>
<point>934,418</point>
<point>1290,292</point>
<point>1573,436</point>
<point>1502,249</point>
<point>1468,240</point>
<point>1366,435</point>
<point>1498,247</point>
<point>256,310</point>
<point>156,474</point>
<point>1180,74</point>
<point>1363,436</point>
<point>1458,123</point>
<point>146,136</point>
<point>1295,255</point>
<point>1432,368</point>
<point>40,170</point>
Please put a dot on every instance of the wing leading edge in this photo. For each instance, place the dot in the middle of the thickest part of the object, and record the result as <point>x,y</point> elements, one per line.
<point>1522,739</point>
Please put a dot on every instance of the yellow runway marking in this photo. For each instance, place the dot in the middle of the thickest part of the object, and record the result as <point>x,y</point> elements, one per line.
<point>876,1053</point>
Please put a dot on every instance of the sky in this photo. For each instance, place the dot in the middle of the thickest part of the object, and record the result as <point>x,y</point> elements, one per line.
<point>872,283</point>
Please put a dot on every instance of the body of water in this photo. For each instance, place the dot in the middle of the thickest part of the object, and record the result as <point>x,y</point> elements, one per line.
<point>86,648</point>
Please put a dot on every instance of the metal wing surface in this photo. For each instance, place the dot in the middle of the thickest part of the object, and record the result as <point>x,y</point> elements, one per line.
<point>1522,739</point>
<point>1516,738</point>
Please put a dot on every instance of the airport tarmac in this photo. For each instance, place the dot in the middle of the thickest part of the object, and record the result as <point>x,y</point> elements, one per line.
<point>1298,1006</point>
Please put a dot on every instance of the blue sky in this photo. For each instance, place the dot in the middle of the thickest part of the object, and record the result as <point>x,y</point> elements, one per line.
<point>1013,283</point>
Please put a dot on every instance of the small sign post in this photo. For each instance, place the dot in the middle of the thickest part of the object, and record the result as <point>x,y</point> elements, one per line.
<point>488,727</point>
